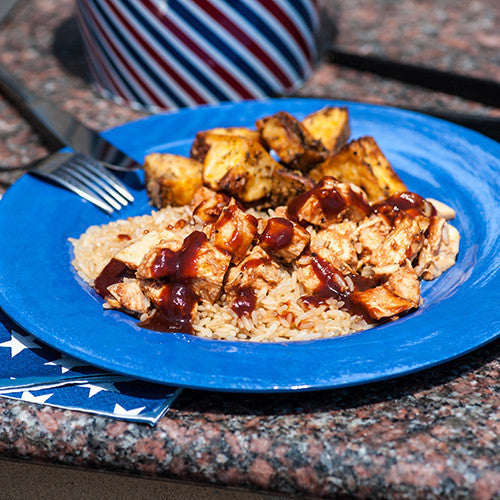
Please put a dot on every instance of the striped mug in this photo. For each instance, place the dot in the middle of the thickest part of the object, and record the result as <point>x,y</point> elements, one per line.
<point>170,54</point>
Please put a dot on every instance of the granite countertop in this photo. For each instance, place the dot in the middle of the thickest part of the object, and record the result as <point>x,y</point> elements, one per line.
<point>429,435</point>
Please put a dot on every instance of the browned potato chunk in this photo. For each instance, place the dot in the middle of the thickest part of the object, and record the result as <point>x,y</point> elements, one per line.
<point>329,125</point>
<point>288,184</point>
<point>171,179</point>
<point>362,163</point>
<point>291,141</point>
<point>240,167</point>
<point>201,142</point>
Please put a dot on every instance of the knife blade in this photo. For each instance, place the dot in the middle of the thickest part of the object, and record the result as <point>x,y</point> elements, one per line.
<point>60,128</point>
<point>468,87</point>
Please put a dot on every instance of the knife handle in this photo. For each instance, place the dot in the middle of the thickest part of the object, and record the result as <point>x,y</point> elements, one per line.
<point>12,88</point>
<point>30,105</point>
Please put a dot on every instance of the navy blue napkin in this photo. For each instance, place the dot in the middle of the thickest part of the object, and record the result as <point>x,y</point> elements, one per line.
<point>34,372</point>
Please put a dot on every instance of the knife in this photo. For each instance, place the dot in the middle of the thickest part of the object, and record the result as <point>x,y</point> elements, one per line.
<point>468,87</point>
<point>59,128</point>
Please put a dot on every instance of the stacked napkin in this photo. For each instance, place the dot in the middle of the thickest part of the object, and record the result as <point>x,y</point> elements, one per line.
<point>31,371</point>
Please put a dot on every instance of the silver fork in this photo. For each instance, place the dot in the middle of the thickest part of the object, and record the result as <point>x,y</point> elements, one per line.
<point>86,177</point>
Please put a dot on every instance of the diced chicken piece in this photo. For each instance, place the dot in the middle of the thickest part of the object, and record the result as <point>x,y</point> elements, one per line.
<point>288,184</point>
<point>372,232</point>
<point>171,179</point>
<point>403,243</point>
<point>405,284</point>
<point>339,239</point>
<point>207,204</point>
<point>329,202</point>
<point>201,143</point>
<point>133,254</point>
<point>443,210</point>
<point>439,250</point>
<point>256,271</point>
<point>307,275</point>
<point>321,270</point>
<point>291,141</point>
<point>362,163</point>
<point>283,239</point>
<point>234,231</point>
<point>174,299</point>
<point>240,167</point>
<point>200,195</point>
<point>329,125</point>
<point>380,302</point>
<point>210,269</point>
<point>128,295</point>
<point>198,262</point>
<point>280,212</point>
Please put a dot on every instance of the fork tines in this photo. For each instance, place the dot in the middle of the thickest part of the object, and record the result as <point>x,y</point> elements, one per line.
<point>86,177</point>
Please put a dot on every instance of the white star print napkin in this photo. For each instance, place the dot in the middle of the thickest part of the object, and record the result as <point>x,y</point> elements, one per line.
<point>33,372</point>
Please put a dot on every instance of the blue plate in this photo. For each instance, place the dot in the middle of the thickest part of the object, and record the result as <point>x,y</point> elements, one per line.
<point>42,293</point>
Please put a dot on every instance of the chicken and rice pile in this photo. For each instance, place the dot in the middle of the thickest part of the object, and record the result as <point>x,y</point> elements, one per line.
<point>318,257</point>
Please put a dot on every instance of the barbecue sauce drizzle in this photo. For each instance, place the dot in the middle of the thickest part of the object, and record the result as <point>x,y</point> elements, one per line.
<point>399,204</point>
<point>235,246</point>
<point>333,285</point>
<point>332,281</point>
<point>245,301</point>
<point>331,201</point>
<point>278,233</point>
<point>178,299</point>
<point>114,272</point>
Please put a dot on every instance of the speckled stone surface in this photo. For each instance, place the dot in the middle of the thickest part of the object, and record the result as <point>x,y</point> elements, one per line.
<point>429,435</point>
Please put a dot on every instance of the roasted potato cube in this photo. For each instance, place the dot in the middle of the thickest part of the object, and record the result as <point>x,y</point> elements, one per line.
<point>291,141</point>
<point>329,125</point>
<point>362,163</point>
<point>201,142</point>
<point>171,179</point>
<point>234,231</point>
<point>288,184</point>
<point>329,202</point>
<point>240,167</point>
<point>283,239</point>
